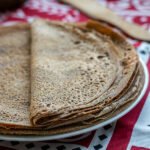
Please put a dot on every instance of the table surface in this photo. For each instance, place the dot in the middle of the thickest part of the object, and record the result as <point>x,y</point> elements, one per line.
<point>131,132</point>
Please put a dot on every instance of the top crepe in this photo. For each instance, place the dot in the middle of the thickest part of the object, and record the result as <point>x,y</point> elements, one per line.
<point>74,68</point>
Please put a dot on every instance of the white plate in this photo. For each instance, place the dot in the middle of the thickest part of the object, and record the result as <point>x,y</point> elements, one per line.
<point>74,133</point>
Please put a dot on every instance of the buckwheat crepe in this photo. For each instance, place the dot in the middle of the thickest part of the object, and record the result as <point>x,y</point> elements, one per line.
<point>84,70</point>
<point>76,75</point>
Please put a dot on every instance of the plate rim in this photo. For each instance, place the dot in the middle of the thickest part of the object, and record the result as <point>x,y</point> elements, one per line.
<point>85,130</point>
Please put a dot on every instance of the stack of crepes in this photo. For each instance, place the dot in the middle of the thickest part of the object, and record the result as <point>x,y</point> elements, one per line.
<point>59,77</point>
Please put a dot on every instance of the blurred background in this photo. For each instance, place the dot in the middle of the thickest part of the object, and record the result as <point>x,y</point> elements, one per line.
<point>137,11</point>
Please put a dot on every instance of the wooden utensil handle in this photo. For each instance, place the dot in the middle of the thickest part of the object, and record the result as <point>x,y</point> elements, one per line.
<point>93,9</point>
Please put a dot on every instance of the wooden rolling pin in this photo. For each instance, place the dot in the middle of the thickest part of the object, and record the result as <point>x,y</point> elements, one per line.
<point>93,9</point>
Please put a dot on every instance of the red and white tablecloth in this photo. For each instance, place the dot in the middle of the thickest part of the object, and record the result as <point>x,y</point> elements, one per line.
<point>131,132</point>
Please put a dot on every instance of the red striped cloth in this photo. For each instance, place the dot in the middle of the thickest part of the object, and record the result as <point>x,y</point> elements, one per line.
<point>131,131</point>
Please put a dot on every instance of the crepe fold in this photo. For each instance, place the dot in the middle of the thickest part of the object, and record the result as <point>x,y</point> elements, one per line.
<point>76,71</point>
<point>60,77</point>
